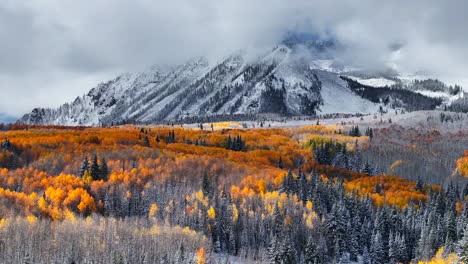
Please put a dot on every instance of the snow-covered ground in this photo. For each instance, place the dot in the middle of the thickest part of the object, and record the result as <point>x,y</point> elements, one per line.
<point>428,119</point>
<point>337,98</point>
<point>375,82</point>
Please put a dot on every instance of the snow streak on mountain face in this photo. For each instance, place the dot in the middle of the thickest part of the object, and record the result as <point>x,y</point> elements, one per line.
<point>282,81</point>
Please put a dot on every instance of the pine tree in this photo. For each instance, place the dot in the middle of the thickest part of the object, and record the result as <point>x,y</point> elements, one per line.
<point>465,191</point>
<point>6,145</point>
<point>451,237</point>
<point>401,249</point>
<point>95,173</point>
<point>345,259</point>
<point>280,163</point>
<point>463,247</point>
<point>338,226</point>
<point>274,252</point>
<point>229,144</point>
<point>171,137</point>
<point>419,185</point>
<point>354,246</point>
<point>237,144</point>
<point>288,255</point>
<point>205,184</point>
<point>104,170</point>
<point>366,257</point>
<point>369,133</point>
<point>278,221</point>
<point>354,132</point>
<point>303,186</point>
<point>288,183</point>
<point>392,250</point>
<point>147,142</point>
<point>84,166</point>
<point>368,169</point>
<point>311,255</point>
<point>377,250</point>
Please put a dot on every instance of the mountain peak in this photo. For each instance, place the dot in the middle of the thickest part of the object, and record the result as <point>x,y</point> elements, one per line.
<point>281,82</point>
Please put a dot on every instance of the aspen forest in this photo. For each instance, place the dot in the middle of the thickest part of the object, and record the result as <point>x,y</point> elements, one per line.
<point>213,194</point>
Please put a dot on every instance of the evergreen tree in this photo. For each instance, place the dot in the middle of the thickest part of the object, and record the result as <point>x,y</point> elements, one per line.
<point>95,173</point>
<point>419,185</point>
<point>370,133</point>
<point>205,184</point>
<point>280,163</point>
<point>171,137</point>
<point>6,145</point>
<point>84,166</point>
<point>354,229</point>
<point>235,144</point>
<point>288,255</point>
<point>147,142</point>
<point>229,144</point>
<point>451,237</point>
<point>354,132</point>
<point>288,185</point>
<point>274,252</point>
<point>104,170</point>
<point>463,247</point>
<point>465,191</point>
<point>393,250</point>
<point>311,255</point>
<point>401,249</point>
<point>368,169</point>
<point>345,259</point>
<point>338,227</point>
<point>377,250</point>
<point>366,257</point>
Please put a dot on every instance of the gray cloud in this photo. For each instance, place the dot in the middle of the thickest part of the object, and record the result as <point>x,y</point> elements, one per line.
<point>53,50</point>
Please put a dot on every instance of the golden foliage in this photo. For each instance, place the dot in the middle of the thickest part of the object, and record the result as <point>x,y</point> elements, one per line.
<point>200,256</point>
<point>462,165</point>
<point>153,210</point>
<point>395,164</point>
<point>253,172</point>
<point>211,213</point>
<point>440,259</point>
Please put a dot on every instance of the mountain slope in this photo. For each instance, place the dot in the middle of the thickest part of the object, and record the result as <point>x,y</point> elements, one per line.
<point>281,81</point>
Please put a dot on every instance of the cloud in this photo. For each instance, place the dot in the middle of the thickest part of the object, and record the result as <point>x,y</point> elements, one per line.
<point>54,50</point>
<point>5,119</point>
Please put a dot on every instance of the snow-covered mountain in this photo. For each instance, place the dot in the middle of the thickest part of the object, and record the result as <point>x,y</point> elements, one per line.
<point>282,81</point>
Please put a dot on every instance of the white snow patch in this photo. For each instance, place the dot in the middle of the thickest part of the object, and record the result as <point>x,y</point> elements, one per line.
<point>374,82</point>
<point>337,98</point>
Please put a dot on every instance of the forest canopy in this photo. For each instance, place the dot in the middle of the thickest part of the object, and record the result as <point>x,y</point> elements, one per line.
<point>262,195</point>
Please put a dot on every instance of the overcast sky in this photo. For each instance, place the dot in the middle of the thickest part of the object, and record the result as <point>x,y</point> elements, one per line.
<point>54,50</point>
